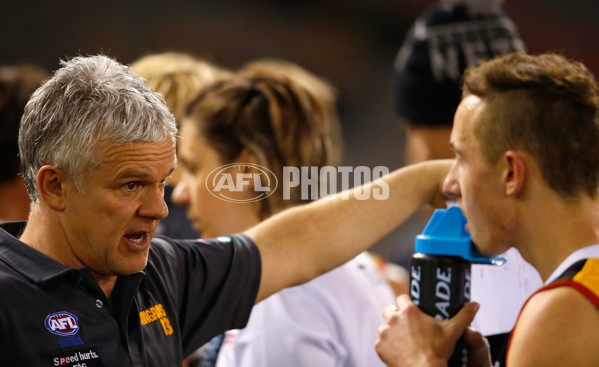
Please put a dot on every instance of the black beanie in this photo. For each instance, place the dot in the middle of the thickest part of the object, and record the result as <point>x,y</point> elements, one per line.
<point>439,46</point>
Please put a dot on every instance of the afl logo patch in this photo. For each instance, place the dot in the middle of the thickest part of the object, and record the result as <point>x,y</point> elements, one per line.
<point>62,323</point>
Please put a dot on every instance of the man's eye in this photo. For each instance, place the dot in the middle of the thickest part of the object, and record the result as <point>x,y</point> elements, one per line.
<point>131,186</point>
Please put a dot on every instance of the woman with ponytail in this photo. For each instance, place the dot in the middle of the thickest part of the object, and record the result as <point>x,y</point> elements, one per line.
<point>271,117</point>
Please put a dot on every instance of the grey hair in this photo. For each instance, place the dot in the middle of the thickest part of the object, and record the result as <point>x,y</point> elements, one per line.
<point>89,99</point>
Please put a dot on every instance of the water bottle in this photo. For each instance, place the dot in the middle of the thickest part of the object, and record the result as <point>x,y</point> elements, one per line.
<point>440,270</point>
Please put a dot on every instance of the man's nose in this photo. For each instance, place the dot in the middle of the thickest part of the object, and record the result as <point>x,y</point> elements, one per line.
<point>451,187</point>
<point>154,205</point>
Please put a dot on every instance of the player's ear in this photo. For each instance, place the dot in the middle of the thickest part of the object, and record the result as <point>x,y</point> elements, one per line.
<point>514,176</point>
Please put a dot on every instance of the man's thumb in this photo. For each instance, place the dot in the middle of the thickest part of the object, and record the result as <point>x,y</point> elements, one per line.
<point>462,319</point>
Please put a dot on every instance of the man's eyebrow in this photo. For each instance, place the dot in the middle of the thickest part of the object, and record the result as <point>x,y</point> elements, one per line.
<point>132,173</point>
<point>455,149</point>
<point>171,171</point>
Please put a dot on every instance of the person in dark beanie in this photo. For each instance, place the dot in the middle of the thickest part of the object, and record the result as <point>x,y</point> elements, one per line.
<point>440,45</point>
<point>445,40</point>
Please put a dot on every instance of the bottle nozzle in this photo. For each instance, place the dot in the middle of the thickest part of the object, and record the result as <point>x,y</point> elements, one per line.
<point>445,234</point>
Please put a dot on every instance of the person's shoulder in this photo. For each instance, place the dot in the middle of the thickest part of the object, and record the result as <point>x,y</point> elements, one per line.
<point>8,276</point>
<point>163,245</point>
<point>161,242</point>
<point>552,303</point>
<point>558,325</point>
<point>13,283</point>
<point>165,249</point>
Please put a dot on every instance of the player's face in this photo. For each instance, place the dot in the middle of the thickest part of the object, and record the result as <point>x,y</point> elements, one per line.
<point>477,184</point>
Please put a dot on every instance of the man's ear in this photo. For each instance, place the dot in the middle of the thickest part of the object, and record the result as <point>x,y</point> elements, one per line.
<point>515,173</point>
<point>51,183</point>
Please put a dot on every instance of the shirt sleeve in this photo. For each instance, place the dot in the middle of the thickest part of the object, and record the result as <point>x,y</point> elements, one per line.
<point>213,283</point>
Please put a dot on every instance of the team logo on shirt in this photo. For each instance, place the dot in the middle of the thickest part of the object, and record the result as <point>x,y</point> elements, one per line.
<point>62,323</point>
<point>154,313</point>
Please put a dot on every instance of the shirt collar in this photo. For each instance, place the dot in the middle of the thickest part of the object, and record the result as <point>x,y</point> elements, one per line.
<point>26,260</point>
<point>35,265</point>
<point>580,254</point>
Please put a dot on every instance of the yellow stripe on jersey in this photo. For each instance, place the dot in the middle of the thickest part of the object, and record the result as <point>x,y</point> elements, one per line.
<point>589,275</point>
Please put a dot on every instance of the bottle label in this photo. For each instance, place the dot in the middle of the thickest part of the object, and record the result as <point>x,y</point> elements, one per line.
<point>440,286</point>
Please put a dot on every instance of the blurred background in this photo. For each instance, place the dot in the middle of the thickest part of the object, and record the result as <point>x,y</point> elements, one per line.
<point>351,43</point>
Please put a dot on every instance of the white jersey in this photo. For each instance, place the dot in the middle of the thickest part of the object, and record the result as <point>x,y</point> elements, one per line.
<point>501,292</point>
<point>332,320</point>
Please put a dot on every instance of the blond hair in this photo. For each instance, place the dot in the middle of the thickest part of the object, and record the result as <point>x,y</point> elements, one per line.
<point>177,76</point>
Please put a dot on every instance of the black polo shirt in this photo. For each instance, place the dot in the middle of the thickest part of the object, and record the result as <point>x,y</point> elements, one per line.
<point>191,290</point>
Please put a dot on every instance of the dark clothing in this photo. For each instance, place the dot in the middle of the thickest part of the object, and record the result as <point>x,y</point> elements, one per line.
<point>190,291</point>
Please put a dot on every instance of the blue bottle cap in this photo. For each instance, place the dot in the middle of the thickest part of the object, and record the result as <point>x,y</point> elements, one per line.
<point>445,234</point>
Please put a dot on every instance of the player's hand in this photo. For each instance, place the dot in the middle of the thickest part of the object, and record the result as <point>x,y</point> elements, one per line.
<point>412,338</point>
